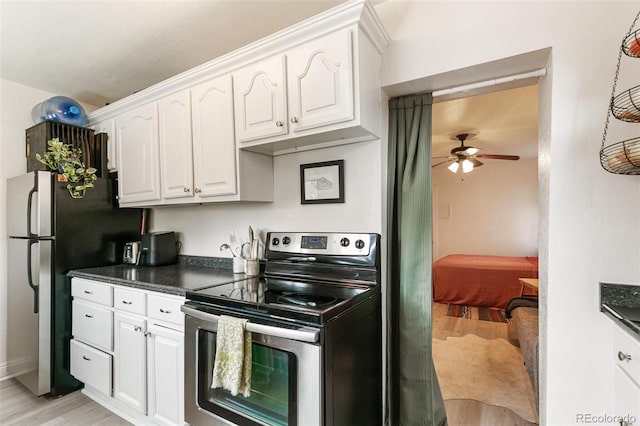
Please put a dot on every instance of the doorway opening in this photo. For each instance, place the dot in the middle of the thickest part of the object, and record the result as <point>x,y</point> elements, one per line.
<point>485,237</point>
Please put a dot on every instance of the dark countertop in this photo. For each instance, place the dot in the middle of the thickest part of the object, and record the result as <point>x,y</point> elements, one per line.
<point>187,274</point>
<point>621,303</point>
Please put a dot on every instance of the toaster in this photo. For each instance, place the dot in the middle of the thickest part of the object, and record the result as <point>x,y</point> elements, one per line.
<point>158,248</point>
<point>131,252</point>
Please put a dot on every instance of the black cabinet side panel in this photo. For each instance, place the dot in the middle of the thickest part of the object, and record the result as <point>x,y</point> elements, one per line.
<point>89,232</point>
<point>353,367</point>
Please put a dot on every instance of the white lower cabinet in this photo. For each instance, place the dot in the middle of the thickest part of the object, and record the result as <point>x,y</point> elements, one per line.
<point>130,361</point>
<point>627,399</point>
<point>626,378</point>
<point>130,358</point>
<point>165,377</point>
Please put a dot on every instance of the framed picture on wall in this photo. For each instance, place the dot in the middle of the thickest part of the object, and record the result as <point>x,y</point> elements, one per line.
<point>322,183</point>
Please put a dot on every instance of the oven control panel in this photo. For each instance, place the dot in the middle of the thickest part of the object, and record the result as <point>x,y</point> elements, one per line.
<point>331,243</point>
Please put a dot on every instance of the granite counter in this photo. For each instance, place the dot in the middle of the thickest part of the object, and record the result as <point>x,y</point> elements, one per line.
<point>621,303</point>
<point>187,275</point>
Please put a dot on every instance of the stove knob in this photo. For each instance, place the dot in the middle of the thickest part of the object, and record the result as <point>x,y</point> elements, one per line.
<point>359,244</point>
<point>275,241</point>
<point>344,242</point>
<point>286,240</point>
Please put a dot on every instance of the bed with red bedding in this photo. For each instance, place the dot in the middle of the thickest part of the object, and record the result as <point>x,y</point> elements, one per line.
<point>477,280</point>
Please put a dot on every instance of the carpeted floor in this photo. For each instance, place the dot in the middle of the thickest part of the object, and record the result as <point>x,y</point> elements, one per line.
<point>487,370</point>
<point>474,312</point>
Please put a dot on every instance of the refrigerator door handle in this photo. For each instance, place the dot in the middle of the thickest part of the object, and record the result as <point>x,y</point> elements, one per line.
<point>30,206</point>
<point>30,276</point>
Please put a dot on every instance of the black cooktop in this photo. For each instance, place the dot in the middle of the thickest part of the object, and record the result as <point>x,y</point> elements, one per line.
<point>310,302</point>
<point>309,277</point>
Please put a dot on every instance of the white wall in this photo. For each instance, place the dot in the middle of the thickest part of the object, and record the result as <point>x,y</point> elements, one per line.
<point>590,229</point>
<point>16,102</point>
<point>493,211</point>
<point>204,228</point>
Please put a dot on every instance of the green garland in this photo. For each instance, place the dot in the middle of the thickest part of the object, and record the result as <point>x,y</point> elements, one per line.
<point>65,159</point>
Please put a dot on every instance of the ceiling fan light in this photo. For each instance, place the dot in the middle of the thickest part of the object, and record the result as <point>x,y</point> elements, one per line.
<point>467,166</point>
<point>472,151</point>
<point>454,167</point>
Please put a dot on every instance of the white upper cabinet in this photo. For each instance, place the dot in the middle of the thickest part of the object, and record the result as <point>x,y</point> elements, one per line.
<point>320,76</point>
<point>260,100</point>
<point>295,94</point>
<point>108,126</point>
<point>138,154</point>
<point>332,95</point>
<point>176,170</point>
<point>214,150</point>
<point>203,135</point>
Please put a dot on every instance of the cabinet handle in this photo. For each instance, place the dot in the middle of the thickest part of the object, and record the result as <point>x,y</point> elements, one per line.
<point>88,292</point>
<point>294,119</point>
<point>126,303</point>
<point>197,190</point>
<point>624,357</point>
<point>86,358</point>
<point>279,123</point>
<point>88,316</point>
<point>147,333</point>
<point>137,328</point>
<point>187,189</point>
<point>164,312</point>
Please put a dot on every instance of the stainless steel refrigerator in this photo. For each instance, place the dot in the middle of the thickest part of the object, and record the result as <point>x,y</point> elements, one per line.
<point>51,233</point>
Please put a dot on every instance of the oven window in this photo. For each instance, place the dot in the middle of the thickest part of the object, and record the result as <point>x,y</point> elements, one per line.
<point>273,399</point>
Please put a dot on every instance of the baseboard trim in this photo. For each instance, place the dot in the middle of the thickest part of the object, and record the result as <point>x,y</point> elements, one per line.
<point>6,367</point>
<point>4,372</point>
<point>115,406</point>
<point>118,408</point>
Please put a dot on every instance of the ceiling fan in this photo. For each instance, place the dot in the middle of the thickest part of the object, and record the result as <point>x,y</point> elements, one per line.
<point>466,157</point>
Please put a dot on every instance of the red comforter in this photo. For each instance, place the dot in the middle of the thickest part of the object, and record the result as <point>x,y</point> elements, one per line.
<point>476,280</point>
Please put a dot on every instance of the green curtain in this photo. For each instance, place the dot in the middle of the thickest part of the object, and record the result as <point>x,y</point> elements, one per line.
<point>414,397</point>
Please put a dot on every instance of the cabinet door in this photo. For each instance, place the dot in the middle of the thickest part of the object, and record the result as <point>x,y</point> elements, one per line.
<point>259,95</point>
<point>320,84</point>
<point>214,146</point>
<point>176,169</point>
<point>137,134</point>
<point>109,127</point>
<point>129,361</point>
<point>166,375</point>
<point>627,398</point>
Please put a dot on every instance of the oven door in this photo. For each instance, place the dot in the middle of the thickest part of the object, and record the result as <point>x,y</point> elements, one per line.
<point>286,375</point>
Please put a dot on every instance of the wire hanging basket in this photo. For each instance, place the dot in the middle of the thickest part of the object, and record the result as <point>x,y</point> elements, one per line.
<point>631,44</point>
<point>624,157</point>
<point>626,106</point>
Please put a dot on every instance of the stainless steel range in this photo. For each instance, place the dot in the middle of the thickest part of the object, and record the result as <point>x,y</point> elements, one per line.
<point>315,318</point>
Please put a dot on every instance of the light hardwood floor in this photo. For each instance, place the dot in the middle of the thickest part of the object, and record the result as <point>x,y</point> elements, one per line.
<point>470,412</point>
<point>18,406</point>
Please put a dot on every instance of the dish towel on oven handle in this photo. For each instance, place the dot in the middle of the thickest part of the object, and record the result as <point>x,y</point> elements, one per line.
<point>232,364</point>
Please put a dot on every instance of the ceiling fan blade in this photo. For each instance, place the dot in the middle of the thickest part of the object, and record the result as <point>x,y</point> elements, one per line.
<point>437,164</point>
<point>450,157</point>
<point>499,157</point>
<point>476,162</point>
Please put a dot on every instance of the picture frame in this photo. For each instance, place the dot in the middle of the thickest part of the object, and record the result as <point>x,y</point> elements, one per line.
<point>322,183</point>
